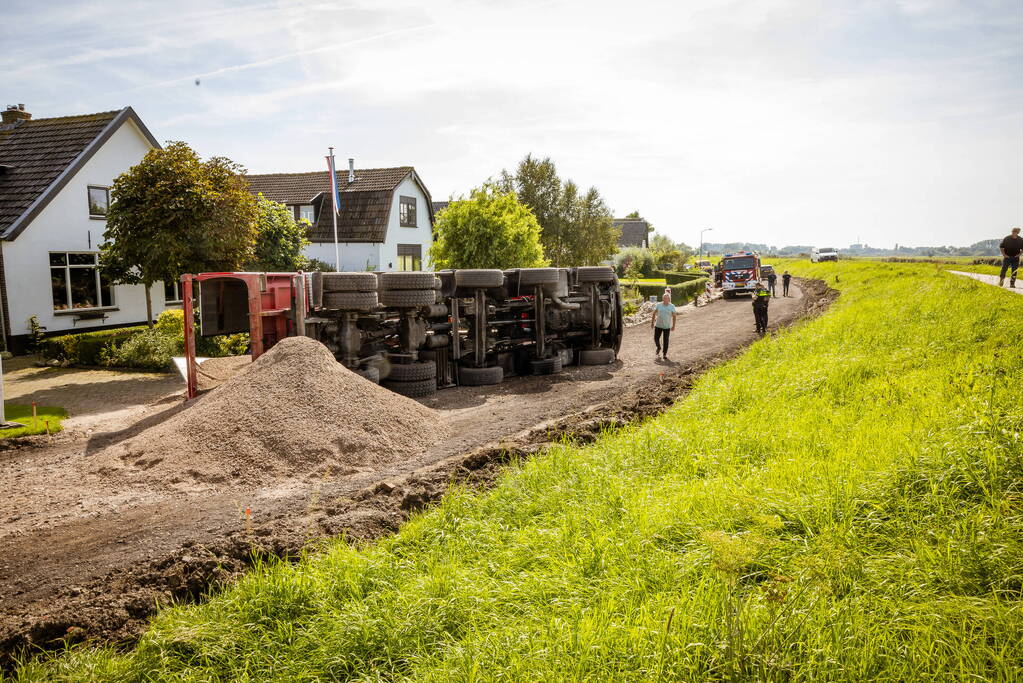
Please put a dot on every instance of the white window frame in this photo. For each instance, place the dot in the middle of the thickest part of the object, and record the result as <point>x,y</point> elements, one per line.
<point>67,267</point>
<point>413,203</point>
<point>305,208</point>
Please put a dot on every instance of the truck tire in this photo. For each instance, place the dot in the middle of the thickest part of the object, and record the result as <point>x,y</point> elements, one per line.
<point>596,356</point>
<point>546,366</point>
<point>369,372</point>
<point>417,389</point>
<point>480,377</point>
<point>407,281</point>
<point>567,357</point>
<point>408,298</point>
<point>412,372</point>
<point>350,301</point>
<point>438,283</point>
<point>479,278</point>
<point>349,282</point>
<point>537,276</point>
<point>595,274</point>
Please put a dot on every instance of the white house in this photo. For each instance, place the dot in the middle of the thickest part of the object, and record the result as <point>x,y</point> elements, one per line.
<point>55,178</point>
<point>385,221</point>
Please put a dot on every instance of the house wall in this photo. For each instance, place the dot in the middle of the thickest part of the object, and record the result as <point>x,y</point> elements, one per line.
<point>422,234</point>
<point>64,225</point>
<point>355,256</point>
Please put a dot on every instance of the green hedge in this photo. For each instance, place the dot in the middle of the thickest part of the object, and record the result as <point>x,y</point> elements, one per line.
<point>674,278</point>
<point>84,348</point>
<point>681,293</point>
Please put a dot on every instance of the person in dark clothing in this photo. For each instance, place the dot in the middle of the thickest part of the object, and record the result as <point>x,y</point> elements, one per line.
<point>761,300</point>
<point>772,280</point>
<point>1011,247</point>
<point>785,279</point>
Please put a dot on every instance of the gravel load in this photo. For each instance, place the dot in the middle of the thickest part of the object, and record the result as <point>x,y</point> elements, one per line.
<point>213,372</point>
<point>293,411</point>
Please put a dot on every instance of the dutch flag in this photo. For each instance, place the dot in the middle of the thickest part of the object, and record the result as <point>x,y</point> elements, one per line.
<point>334,191</point>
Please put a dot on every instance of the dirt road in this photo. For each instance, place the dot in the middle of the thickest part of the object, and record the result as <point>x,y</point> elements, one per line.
<point>81,557</point>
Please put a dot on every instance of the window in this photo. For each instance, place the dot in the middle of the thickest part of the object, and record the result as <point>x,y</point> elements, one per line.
<point>410,257</point>
<point>171,292</point>
<point>99,201</point>
<point>76,281</point>
<point>306,212</point>
<point>407,212</point>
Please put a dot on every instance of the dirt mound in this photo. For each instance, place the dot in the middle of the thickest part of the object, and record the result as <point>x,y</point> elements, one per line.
<point>213,372</point>
<point>293,411</point>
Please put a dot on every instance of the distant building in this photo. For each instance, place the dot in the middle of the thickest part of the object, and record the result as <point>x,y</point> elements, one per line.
<point>385,221</point>
<point>439,206</point>
<point>635,232</point>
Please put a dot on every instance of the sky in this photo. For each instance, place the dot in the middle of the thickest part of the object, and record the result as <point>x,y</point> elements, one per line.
<point>769,121</point>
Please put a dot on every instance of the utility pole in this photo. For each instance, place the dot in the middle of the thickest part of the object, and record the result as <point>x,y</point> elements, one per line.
<point>701,240</point>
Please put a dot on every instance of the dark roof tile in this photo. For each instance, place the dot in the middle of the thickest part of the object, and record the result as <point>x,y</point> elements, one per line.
<point>37,152</point>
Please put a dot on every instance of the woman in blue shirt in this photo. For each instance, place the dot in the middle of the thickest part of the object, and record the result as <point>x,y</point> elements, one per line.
<point>663,323</point>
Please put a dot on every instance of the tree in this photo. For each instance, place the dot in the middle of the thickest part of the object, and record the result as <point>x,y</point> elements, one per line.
<point>576,228</point>
<point>280,239</point>
<point>489,229</point>
<point>173,213</point>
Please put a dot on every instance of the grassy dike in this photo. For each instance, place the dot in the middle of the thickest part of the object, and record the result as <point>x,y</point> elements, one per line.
<point>841,502</point>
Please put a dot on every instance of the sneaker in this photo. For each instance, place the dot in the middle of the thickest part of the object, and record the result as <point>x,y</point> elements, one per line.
<point>1001,282</point>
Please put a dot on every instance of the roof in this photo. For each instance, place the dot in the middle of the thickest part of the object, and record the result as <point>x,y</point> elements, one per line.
<point>44,154</point>
<point>439,206</point>
<point>635,232</point>
<point>365,203</point>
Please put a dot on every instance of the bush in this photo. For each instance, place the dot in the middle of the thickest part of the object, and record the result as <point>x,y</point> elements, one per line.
<point>145,350</point>
<point>172,323</point>
<point>85,348</point>
<point>674,278</point>
<point>635,259</point>
<point>681,294</point>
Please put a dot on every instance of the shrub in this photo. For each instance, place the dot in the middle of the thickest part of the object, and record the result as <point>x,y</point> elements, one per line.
<point>680,294</point>
<point>145,350</point>
<point>84,348</point>
<point>673,278</point>
<point>635,259</point>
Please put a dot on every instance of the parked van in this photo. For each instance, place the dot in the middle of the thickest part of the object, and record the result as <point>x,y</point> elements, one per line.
<point>818,254</point>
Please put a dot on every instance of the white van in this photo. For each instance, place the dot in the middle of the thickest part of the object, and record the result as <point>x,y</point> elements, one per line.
<point>818,254</point>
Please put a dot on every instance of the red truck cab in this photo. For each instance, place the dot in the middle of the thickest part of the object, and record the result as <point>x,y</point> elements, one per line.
<point>740,273</point>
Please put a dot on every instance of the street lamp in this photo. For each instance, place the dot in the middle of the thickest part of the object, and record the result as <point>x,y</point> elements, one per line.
<point>701,240</point>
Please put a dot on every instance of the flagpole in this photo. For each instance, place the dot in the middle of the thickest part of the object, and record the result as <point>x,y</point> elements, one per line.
<point>333,199</point>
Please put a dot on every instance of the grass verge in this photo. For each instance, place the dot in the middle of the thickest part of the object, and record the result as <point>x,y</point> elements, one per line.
<point>842,502</point>
<point>23,414</point>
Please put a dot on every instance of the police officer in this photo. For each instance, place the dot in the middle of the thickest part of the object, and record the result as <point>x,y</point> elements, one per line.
<point>785,279</point>
<point>772,280</point>
<point>761,300</point>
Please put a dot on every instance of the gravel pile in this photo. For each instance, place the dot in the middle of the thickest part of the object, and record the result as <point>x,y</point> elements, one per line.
<point>293,411</point>
<point>642,314</point>
<point>213,372</point>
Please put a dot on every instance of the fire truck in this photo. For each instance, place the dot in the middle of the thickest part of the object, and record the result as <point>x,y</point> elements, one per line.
<point>740,273</point>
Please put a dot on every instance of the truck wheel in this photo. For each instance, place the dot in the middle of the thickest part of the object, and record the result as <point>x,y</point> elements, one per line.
<point>479,278</point>
<point>351,301</point>
<point>417,389</point>
<point>596,356</point>
<point>407,280</point>
<point>479,377</point>
<point>408,298</point>
<point>438,284</point>
<point>349,282</point>
<point>412,372</point>
<point>546,366</point>
<point>595,274</point>
<point>538,276</point>
<point>567,357</point>
<point>371,373</point>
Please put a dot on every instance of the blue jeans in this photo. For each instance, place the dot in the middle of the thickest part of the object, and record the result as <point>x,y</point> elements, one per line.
<point>1007,263</point>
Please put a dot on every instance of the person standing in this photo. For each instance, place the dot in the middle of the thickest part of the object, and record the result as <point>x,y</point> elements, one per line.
<point>772,280</point>
<point>785,279</point>
<point>1011,247</point>
<point>663,323</point>
<point>761,300</point>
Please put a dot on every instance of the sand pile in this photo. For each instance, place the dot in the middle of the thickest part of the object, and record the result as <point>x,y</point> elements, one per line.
<point>293,411</point>
<point>213,372</point>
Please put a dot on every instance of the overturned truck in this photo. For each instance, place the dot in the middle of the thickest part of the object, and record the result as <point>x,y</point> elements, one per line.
<point>415,332</point>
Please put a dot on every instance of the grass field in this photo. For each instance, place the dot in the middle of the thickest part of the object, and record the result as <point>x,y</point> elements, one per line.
<point>841,502</point>
<point>23,414</point>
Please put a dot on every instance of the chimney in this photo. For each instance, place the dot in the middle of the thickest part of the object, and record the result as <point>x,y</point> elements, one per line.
<point>351,170</point>
<point>14,113</point>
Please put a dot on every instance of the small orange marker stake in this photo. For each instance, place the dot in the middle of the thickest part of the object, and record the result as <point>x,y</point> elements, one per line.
<point>35,417</point>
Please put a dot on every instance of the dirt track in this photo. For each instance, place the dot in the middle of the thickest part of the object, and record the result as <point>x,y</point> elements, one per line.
<point>82,559</point>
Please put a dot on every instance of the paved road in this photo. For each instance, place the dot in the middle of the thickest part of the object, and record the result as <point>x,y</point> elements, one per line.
<point>990,280</point>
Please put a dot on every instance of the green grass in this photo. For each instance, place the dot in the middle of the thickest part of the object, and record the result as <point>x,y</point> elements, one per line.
<point>841,502</point>
<point>23,414</point>
<point>644,281</point>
